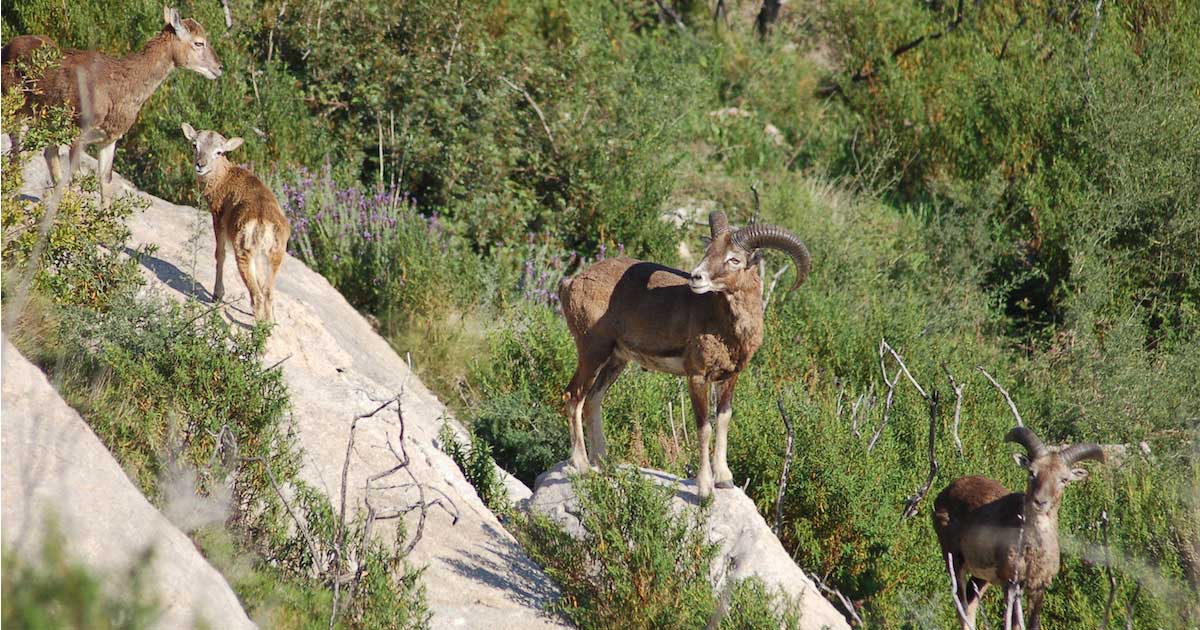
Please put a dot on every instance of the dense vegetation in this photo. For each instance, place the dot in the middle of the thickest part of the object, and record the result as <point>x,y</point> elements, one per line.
<point>182,400</point>
<point>1012,184</point>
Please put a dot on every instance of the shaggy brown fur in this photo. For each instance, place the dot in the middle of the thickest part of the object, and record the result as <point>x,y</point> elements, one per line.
<point>246,216</point>
<point>995,536</point>
<point>705,326</point>
<point>105,94</point>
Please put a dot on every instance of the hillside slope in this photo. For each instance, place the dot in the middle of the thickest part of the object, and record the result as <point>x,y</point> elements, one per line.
<point>336,368</point>
<point>58,475</point>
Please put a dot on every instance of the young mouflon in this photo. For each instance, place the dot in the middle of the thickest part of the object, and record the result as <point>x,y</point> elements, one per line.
<point>246,216</point>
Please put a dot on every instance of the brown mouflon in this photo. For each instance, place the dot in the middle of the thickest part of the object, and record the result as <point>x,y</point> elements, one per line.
<point>1008,538</point>
<point>246,216</point>
<point>104,94</point>
<point>704,325</point>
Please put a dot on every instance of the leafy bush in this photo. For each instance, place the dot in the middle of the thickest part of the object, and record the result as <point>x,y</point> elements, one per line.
<point>55,591</point>
<point>638,563</point>
<point>475,462</point>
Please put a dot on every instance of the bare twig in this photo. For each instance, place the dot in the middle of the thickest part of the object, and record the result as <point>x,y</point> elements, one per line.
<point>757,202</point>
<point>771,289</point>
<point>787,465</point>
<point>1012,593</point>
<point>340,533</point>
<point>847,605</point>
<point>958,396</point>
<point>668,12</point>
<point>1091,40</point>
<point>1129,606</point>
<point>228,15</point>
<point>955,589</point>
<point>883,345</point>
<point>1004,392</point>
<point>910,506</point>
<point>887,406</point>
<point>537,110</point>
<point>1112,579</point>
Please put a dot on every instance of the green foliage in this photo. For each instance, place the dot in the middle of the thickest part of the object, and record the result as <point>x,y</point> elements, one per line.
<point>476,463</point>
<point>638,563</point>
<point>54,591</point>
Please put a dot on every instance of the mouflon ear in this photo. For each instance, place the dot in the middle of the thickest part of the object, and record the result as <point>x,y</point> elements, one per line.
<point>1022,461</point>
<point>171,17</point>
<point>188,131</point>
<point>232,144</point>
<point>1078,474</point>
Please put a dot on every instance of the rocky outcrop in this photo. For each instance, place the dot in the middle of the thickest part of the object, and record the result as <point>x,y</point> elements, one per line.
<point>337,367</point>
<point>56,474</point>
<point>747,545</point>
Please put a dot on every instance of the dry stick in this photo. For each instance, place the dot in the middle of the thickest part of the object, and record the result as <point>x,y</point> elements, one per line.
<point>1004,392</point>
<point>771,289</point>
<point>671,417</point>
<point>887,406</point>
<point>1112,579</point>
<point>537,110</point>
<point>787,465</point>
<point>336,564</point>
<point>847,605</point>
<point>228,15</point>
<point>883,345</point>
<point>910,505</point>
<point>854,411</point>
<point>670,13</point>
<point>958,394</point>
<point>954,588</point>
<point>300,524</point>
<point>1129,607</point>
<point>1012,593</point>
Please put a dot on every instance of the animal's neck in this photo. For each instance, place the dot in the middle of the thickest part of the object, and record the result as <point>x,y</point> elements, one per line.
<point>214,188</point>
<point>143,71</point>
<point>745,313</point>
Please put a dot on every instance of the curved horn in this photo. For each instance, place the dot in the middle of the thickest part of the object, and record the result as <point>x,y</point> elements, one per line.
<point>1076,452</point>
<point>718,223</point>
<point>1032,443</point>
<point>759,235</point>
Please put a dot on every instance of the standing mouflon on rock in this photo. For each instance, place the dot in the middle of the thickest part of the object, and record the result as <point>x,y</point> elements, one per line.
<point>705,325</point>
<point>1008,538</point>
<point>245,215</point>
<point>104,94</point>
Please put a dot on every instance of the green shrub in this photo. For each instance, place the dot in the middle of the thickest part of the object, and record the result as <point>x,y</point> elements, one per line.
<point>638,563</point>
<point>55,591</point>
<point>475,462</point>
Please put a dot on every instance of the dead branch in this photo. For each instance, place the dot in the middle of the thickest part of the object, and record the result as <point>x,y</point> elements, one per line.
<point>228,15</point>
<point>1004,392</point>
<point>720,13</point>
<point>887,405</point>
<point>339,534</point>
<point>847,605</point>
<point>787,465</point>
<point>667,12</point>
<point>537,110</point>
<point>955,589</point>
<point>1129,607</point>
<point>911,504</point>
<point>771,289</point>
<point>958,396</point>
<point>1012,594</point>
<point>1112,579</point>
<point>883,345</point>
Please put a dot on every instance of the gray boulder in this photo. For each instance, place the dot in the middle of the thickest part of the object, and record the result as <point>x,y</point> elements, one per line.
<point>55,469</point>
<point>748,548</point>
